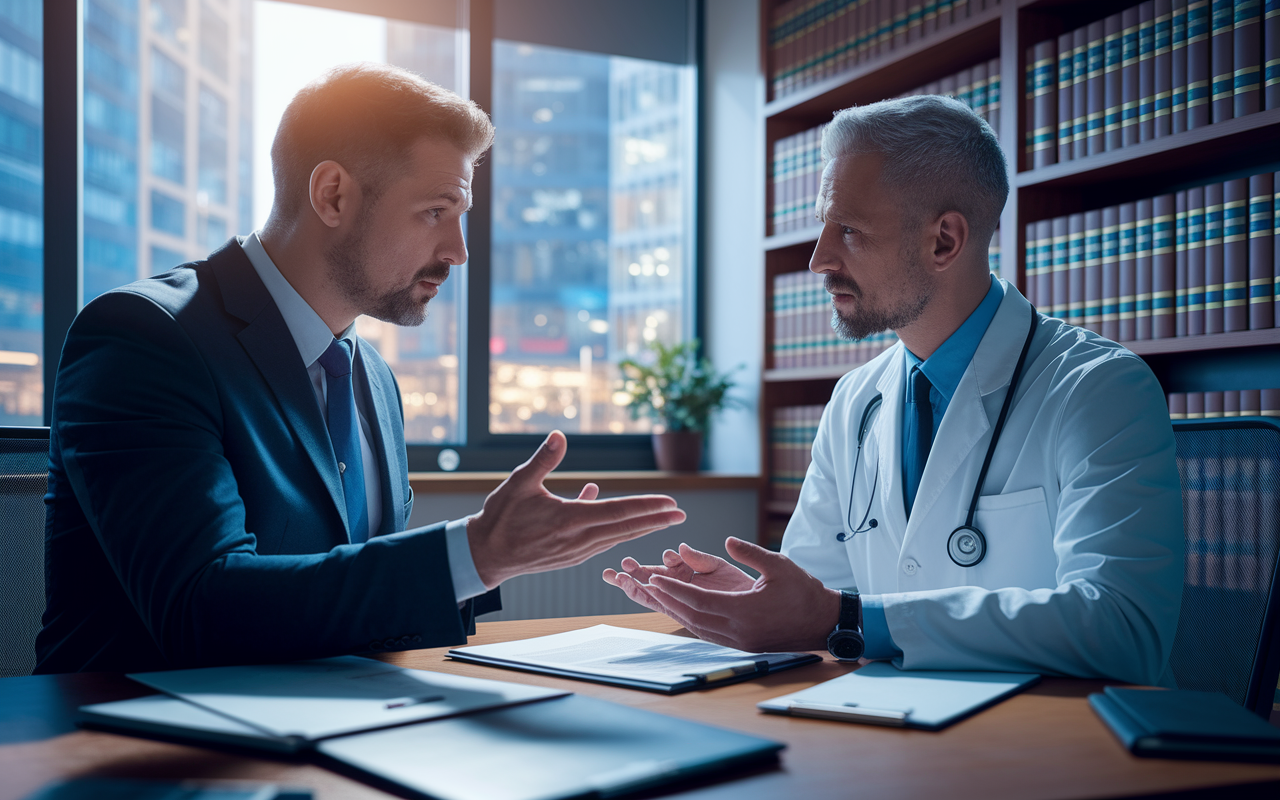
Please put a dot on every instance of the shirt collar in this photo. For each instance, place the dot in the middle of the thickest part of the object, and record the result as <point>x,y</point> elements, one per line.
<point>310,333</point>
<point>947,365</point>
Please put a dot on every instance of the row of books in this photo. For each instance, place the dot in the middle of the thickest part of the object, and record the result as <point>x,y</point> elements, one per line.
<point>1155,69</point>
<point>797,159</point>
<point>811,40</point>
<point>1211,405</point>
<point>1200,261</point>
<point>791,434</point>
<point>802,332</point>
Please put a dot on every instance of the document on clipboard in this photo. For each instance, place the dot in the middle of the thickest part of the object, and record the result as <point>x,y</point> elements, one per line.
<point>881,694</point>
<point>658,662</point>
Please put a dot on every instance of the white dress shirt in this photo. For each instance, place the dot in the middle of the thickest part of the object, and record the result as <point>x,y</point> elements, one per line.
<point>312,337</point>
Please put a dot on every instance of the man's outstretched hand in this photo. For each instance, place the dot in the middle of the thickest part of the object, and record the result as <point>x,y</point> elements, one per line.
<point>523,528</point>
<point>785,608</point>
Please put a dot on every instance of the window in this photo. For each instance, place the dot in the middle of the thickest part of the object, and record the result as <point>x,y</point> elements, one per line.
<point>585,204</point>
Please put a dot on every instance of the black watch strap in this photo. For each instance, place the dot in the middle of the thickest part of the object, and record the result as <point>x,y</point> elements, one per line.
<point>846,642</point>
<point>850,612</point>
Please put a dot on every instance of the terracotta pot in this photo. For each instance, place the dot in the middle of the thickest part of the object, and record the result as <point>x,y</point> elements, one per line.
<point>678,451</point>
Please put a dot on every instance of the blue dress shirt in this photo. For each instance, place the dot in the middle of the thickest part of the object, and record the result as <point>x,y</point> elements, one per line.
<point>944,369</point>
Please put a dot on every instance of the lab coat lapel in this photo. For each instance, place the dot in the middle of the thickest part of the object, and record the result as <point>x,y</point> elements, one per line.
<point>886,439</point>
<point>268,342</point>
<point>378,396</point>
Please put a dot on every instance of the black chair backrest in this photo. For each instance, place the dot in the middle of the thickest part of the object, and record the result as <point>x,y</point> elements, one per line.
<point>24,479</point>
<point>1226,642</point>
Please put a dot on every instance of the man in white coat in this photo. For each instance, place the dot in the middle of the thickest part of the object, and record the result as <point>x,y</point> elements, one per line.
<point>1076,565</point>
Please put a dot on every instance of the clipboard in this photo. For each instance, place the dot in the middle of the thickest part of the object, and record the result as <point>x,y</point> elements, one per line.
<point>881,694</point>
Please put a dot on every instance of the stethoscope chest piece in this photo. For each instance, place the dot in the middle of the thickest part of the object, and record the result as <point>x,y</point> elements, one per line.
<point>967,546</point>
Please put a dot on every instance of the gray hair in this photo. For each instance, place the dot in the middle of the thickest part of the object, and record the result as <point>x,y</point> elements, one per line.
<point>938,155</point>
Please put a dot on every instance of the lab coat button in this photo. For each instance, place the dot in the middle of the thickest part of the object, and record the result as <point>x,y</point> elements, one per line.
<point>910,566</point>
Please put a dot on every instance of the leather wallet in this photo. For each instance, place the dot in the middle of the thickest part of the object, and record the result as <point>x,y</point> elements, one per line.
<point>1177,723</point>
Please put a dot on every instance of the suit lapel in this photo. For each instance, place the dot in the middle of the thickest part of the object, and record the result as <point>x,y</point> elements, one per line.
<point>268,342</point>
<point>379,395</point>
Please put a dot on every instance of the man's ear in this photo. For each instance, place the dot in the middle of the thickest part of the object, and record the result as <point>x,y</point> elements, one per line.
<point>333,192</point>
<point>950,238</point>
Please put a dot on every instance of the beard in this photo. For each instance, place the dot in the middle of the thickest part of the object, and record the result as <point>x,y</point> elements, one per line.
<point>348,268</point>
<point>866,320</point>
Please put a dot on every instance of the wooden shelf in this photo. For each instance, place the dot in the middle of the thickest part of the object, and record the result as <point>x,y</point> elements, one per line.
<point>782,508</point>
<point>781,241</point>
<point>828,372</point>
<point>1200,152</point>
<point>1211,341</point>
<point>954,48</point>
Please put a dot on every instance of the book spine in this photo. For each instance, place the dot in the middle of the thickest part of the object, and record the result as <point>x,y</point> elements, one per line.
<point>1261,252</point>
<point>1044,105</point>
<point>1195,405</point>
<point>1128,272</point>
<point>1235,246</point>
<point>1030,267</point>
<point>978,97</point>
<point>1177,405</point>
<point>1060,284</point>
<point>1195,261</point>
<point>1095,89</point>
<point>1112,84</point>
<point>929,19</point>
<point>899,23</point>
<point>1093,270</point>
<point>1111,272</point>
<point>1271,54</point>
<point>1029,109</point>
<point>1142,267</point>
<point>964,87</point>
<point>1162,125</point>
<point>1213,258</point>
<point>1180,264</point>
<point>1074,307</point>
<point>1044,259</point>
<point>1129,73</point>
<point>1250,403</point>
<point>993,94</point>
<point>915,21</point>
<point>1178,67</point>
<point>1163,266</point>
<point>1066,111</point>
<point>1147,71</point>
<point>1222,60</point>
<point>1247,50</point>
<point>1270,402</point>
<point>1275,244</point>
<point>1199,72</point>
<point>1079,93</point>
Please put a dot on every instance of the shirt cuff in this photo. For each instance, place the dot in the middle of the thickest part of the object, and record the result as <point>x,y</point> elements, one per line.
<point>466,581</point>
<point>875,629</point>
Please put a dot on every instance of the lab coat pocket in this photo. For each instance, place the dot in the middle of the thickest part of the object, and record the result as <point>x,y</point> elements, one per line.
<point>1019,540</point>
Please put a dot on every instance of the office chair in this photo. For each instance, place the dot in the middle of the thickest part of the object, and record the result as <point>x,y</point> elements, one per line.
<point>1226,640</point>
<point>24,478</point>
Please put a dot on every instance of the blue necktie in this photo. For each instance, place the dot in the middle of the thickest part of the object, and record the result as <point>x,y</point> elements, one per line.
<point>919,436</point>
<point>344,430</point>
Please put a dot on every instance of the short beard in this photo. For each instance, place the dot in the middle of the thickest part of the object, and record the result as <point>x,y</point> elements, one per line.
<point>865,321</point>
<point>349,270</point>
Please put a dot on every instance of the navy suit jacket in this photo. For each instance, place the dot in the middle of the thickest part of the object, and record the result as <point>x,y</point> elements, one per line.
<point>195,513</point>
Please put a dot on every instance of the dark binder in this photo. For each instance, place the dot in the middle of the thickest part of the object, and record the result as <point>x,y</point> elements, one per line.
<point>1163,267</point>
<point>1222,59</point>
<point>1178,67</point>
<point>1235,246</point>
<point>1199,111</point>
<point>1213,258</point>
<point>1163,723</point>
<point>1247,52</point>
<point>1129,74</point>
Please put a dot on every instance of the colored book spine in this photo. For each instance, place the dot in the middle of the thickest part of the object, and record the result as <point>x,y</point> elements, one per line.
<point>1177,405</point>
<point>1066,112</point>
<point>1247,51</point>
<point>1235,249</point>
<point>1093,270</point>
<point>1180,263</point>
<point>1111,272</point>
<point>1163,266</point>
<point>1080,92</point>
<point>1130,92</point>
<point>1222,59</point>
<point>1044,104</point>
<point>1128,299</point>
<point>1075,270</point>
<point>1147,71</point>
<point>1162,125</point>
<point>1275,247</point>
<point>1144,242</point>
<point>1195,261</point>
<point>1213,258</point>
<point>993,253</point>
<point>1199,72</point>
<point>1261,251</point>
<point>1112,84</point>
<point>993,94</point>
<point>1271,54</point>
<point>1044,265</point>
<point>1059,297</point>
<point>1178,67</point>
<point>1095,90</point>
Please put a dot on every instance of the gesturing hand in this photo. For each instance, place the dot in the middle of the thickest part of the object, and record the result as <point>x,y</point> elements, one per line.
<point>523,528</point>
<point>785,608</point>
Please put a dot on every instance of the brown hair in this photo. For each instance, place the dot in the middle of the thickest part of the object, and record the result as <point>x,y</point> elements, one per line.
<point>366,117</point>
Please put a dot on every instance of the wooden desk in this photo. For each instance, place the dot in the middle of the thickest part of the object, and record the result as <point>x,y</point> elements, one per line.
<point>1044,743</point>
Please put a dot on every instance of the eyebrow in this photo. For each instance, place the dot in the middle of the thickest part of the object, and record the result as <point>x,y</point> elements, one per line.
<point>451,196</point>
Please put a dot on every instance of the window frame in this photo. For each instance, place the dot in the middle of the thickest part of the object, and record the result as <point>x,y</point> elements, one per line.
<point>481,450</point>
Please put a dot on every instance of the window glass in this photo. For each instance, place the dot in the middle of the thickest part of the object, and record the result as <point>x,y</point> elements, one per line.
<point>592,231</point>
<point>168,215</point>
<point>21,213</point>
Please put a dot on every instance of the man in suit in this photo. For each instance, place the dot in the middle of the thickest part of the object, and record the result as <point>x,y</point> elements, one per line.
<point>228,477</point>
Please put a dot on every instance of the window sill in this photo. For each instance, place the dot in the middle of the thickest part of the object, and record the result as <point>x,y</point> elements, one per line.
<point>571,482</point>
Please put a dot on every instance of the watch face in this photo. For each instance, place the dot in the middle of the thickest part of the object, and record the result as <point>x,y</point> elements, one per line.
<point>846,645</point>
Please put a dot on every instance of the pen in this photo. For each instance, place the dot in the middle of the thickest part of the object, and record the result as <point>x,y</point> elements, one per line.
<point>747,668</point>
<point>403,702</point>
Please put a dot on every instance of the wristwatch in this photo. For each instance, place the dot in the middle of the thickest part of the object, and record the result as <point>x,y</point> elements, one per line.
<point>846,642</point>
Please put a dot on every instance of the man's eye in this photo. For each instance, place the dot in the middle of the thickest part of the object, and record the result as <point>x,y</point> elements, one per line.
<point>845,230</point>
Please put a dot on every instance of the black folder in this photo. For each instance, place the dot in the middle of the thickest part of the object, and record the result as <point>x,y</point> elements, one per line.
<point>1156,723</point>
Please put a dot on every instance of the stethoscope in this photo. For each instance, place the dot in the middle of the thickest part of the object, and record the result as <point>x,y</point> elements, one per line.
<point>967,546</point>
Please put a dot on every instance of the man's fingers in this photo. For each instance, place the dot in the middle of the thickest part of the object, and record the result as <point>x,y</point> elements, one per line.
<point>753,555</point>
<point>636,570</point>
<point>670,558</point>
<point>636,591</point>
<point>699,561</point>
<point>589,492</point>
<point>545,459</point>
<point>707,601</point>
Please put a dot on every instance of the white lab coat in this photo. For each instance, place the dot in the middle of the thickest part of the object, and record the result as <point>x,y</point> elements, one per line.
<point>1081,510</point>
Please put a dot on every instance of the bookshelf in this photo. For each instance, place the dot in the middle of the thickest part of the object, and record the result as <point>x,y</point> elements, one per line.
<point>1006,29</point>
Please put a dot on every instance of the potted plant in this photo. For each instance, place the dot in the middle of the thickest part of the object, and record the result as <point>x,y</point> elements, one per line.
<point>680,392</point>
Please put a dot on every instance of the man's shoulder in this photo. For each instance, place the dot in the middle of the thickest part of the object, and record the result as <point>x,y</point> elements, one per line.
<point>179,290</point>
<point>1083,364</point>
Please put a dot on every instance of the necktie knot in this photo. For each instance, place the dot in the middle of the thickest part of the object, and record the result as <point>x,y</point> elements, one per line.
<point>336,360</point>
<point>920,387</point>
